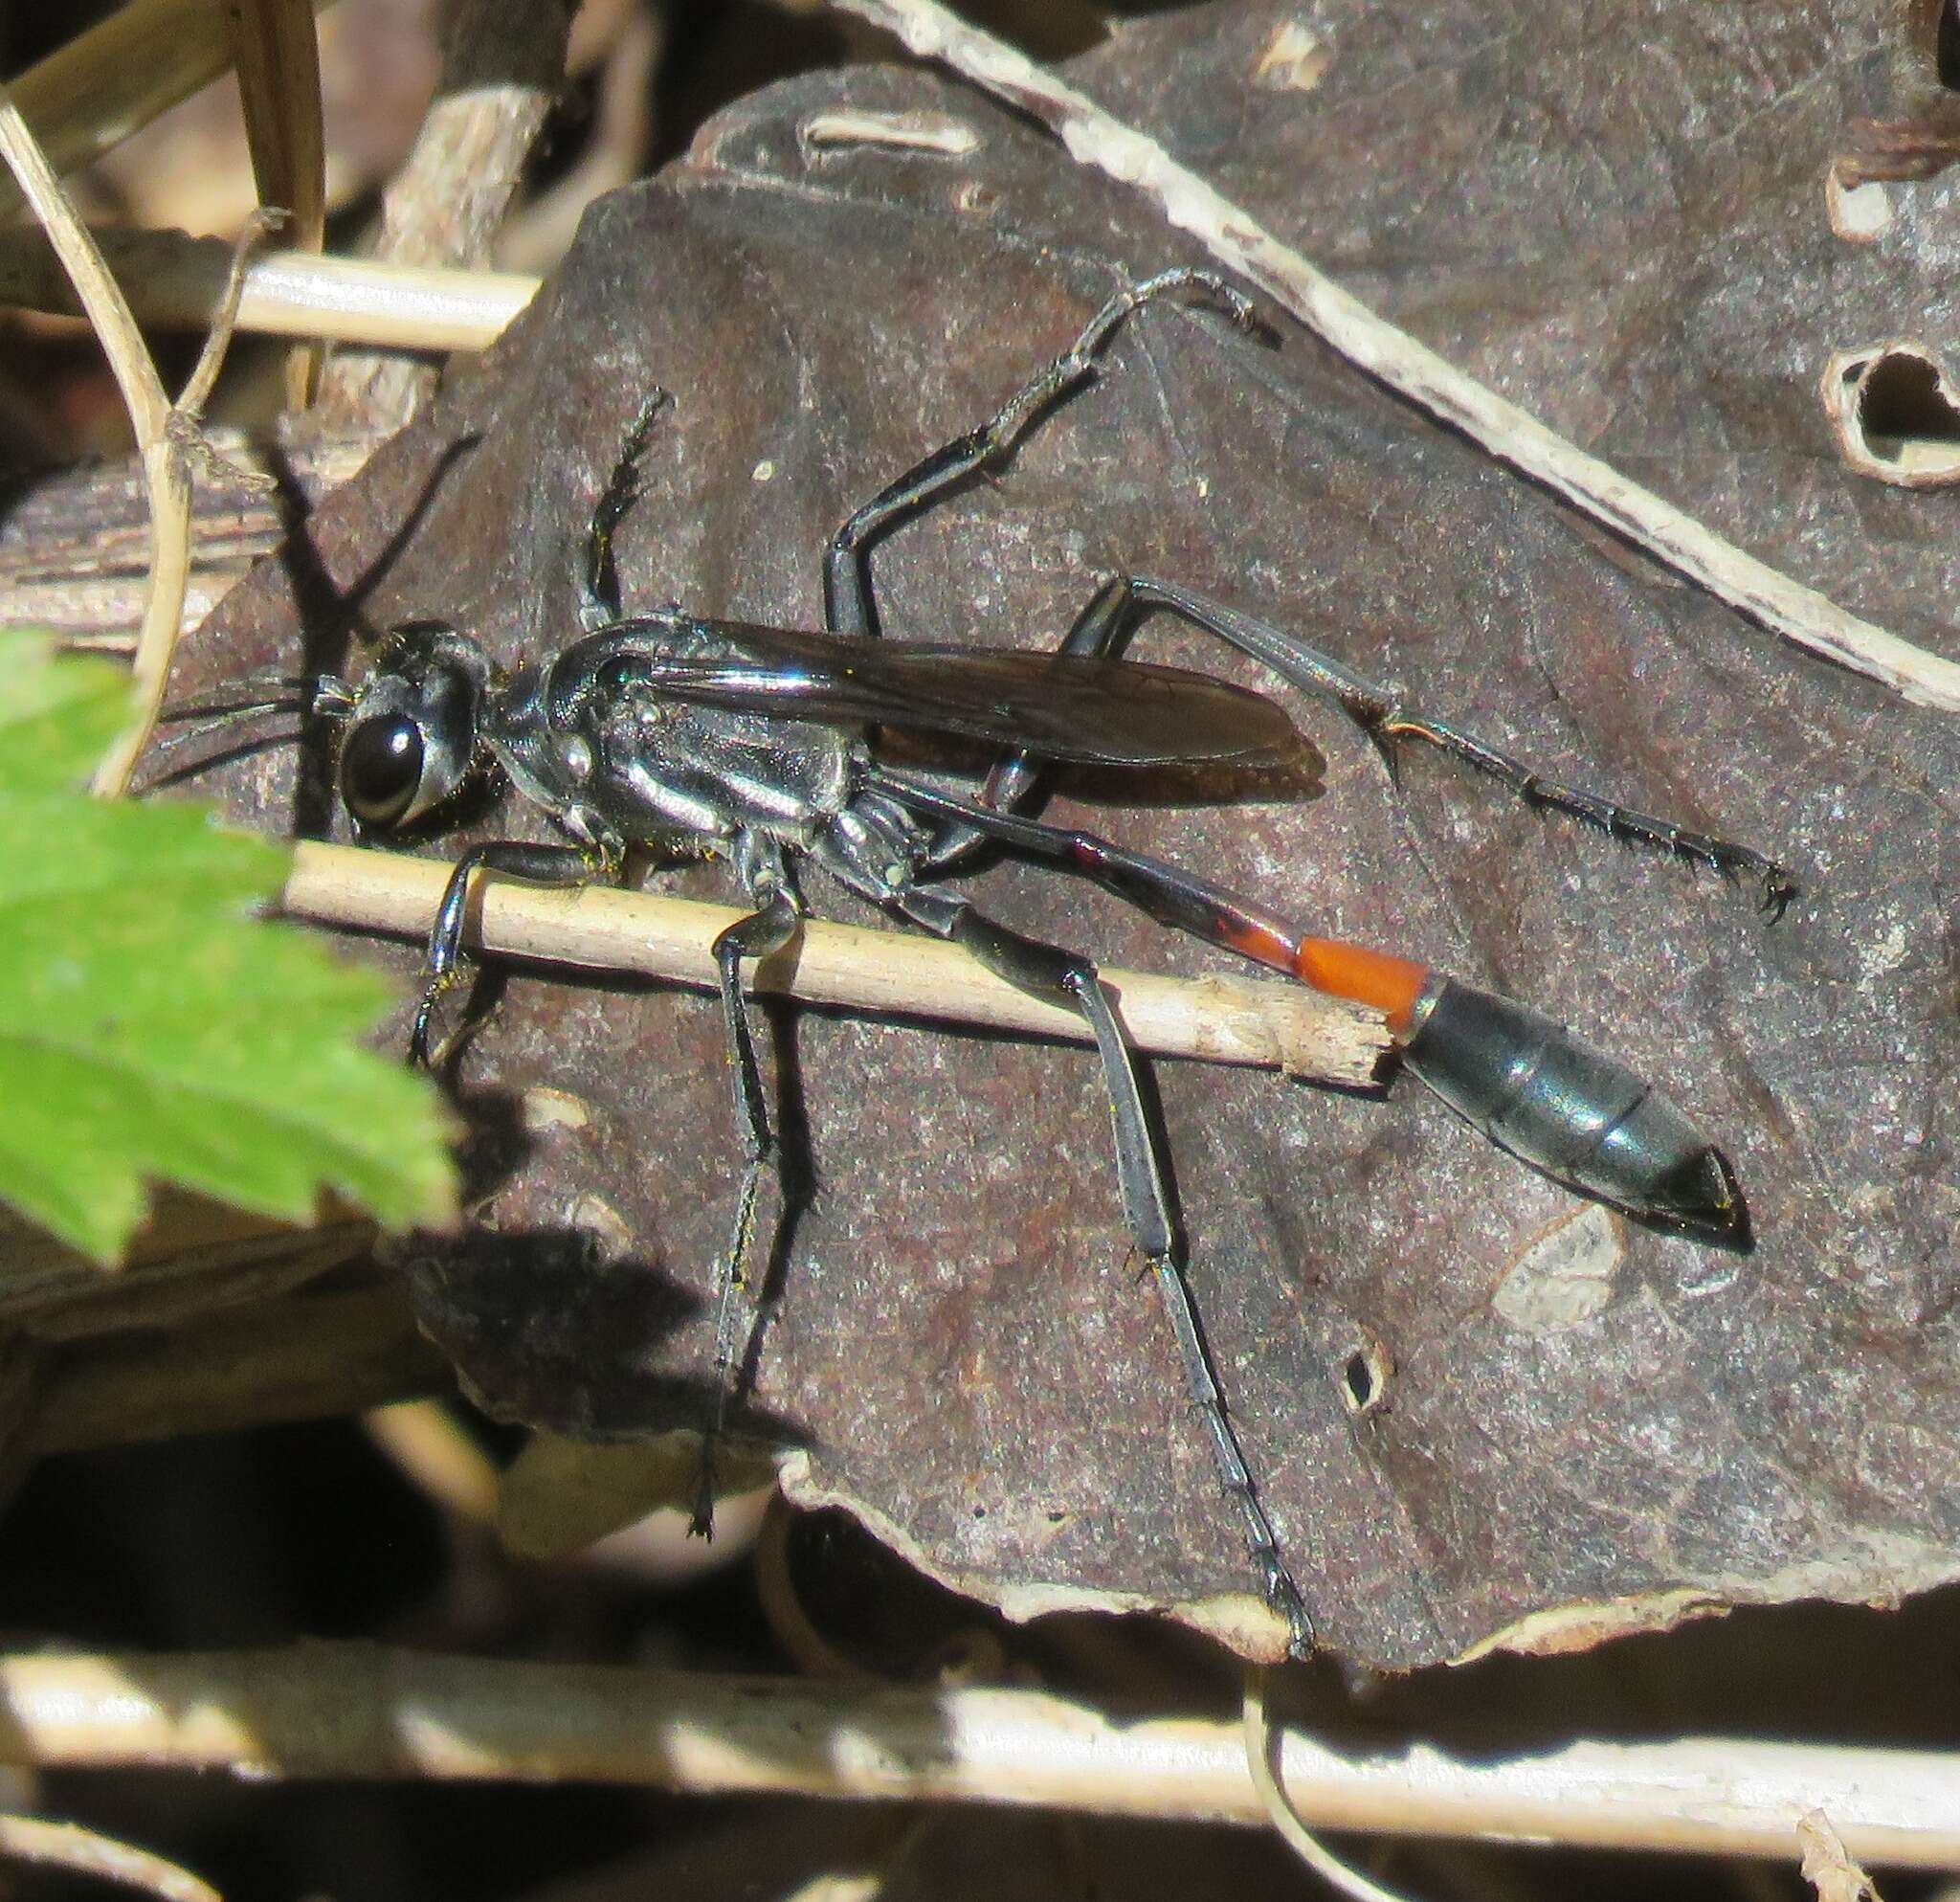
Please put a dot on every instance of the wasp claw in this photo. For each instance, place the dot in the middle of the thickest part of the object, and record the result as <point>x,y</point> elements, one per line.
<point>1779,890</point>
<point>425,1015</point>
<point>700,1521</point>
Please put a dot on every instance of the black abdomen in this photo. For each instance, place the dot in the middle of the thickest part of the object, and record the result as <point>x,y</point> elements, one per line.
<point>1534,1090</point>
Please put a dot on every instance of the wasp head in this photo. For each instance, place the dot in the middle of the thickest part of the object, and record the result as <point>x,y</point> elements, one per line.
<point>412,725</point>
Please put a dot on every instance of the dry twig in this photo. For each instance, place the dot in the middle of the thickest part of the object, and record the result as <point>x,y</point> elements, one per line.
<point>503,62</point>
<point>362,1711</point>
<point>172,279</point>
<point>1224,1020</point>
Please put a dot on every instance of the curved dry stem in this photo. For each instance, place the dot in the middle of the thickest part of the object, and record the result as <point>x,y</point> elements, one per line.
<point>1239,241</point>
<point>1287,1822</point>
<point>165,433</point>
<point>790,1623</point>
<point>102,300</point>
<point>30,1839</point>
<point>276,51</point>
<point>149,415</point>
<point>86,98</point>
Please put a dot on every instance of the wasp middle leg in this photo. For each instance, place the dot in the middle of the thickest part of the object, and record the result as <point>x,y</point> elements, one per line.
<point>849,605</point>
<point>764,931</point>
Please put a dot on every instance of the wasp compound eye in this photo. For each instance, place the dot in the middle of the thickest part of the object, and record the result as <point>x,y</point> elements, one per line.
<point>381,770</point>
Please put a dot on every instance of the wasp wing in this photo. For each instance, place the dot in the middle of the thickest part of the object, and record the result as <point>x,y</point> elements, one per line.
<point>1060,707</point>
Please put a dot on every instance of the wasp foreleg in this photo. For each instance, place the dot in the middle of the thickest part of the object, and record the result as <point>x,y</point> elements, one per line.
<point>518,858</point>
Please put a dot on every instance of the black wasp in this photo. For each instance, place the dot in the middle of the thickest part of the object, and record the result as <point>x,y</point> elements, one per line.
<point>667,728</point>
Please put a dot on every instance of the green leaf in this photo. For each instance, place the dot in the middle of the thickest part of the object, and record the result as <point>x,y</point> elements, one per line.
<point>55,720</point>
<point>149,1026</point>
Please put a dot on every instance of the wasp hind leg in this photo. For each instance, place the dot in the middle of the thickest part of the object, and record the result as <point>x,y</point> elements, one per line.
<point>1064,977</point>
<point>1386,717</point>
<point>1778,886</point>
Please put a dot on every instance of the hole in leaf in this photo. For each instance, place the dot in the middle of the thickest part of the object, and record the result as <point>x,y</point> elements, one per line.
<point>1363,1379</point>
<point>1933,28</point>
<point>1902,403</point>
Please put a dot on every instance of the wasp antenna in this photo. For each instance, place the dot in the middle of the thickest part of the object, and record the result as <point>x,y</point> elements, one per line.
<point>263,688</point>
<point>237,716</point>
<point>217,710</point>
<point>163,754</point>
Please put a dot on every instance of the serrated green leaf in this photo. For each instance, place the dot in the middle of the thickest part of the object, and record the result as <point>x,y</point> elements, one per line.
<point>150,1027</point>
